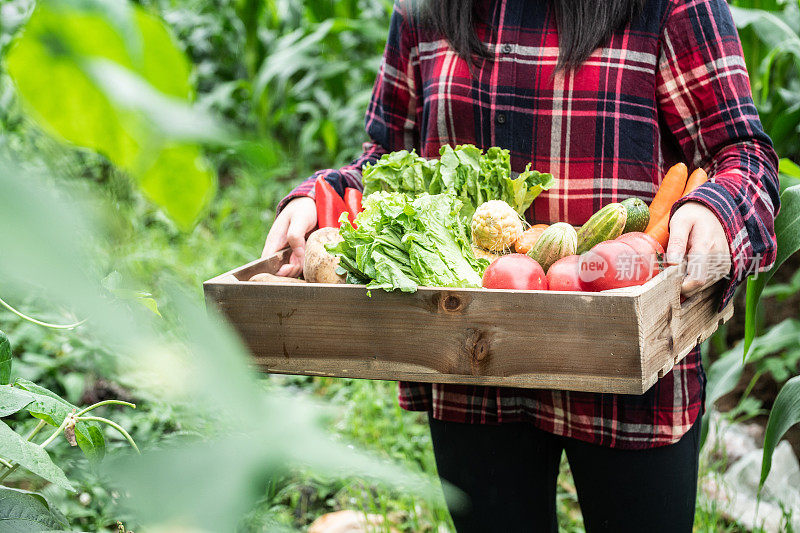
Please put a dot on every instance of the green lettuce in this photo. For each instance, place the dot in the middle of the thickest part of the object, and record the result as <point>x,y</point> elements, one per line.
<point>473,176</point>
<point>400,242</point>
<point>401,171</point>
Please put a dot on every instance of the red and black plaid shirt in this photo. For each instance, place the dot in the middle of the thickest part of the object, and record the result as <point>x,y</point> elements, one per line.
<point>671,86</point>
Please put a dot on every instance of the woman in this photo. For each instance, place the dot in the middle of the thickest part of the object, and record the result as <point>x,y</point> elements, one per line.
<point>606,95</point>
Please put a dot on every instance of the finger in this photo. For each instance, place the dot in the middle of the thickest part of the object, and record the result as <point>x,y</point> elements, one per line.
<point>289,270</point>
<point>690,286</point>
<point>276,238</point>
<point>293,268</point>
<point>679,230</point>
<point>296,237</point>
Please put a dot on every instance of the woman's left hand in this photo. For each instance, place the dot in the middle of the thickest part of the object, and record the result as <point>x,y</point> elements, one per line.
<point>695,233</point>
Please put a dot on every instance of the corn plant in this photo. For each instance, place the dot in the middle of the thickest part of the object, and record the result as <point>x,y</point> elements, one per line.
<point>780,343</point>
<point>770,32</point>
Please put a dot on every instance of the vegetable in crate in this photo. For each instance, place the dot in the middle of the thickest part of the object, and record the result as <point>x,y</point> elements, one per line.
<point>670,190</point>
<point>495,226</point>
<point>352,200</point>
<point>472,175</point>
<point>557,241</point>
<point>616,264</point>
<point>638,215</point>
<point>329,204</point>
<point>319,266</point>
<point>528,238</point>
<point>563,275</point>
<point>515,271</point>
<point>605,225</point>
<point>482,253</point>
<point>646,246</point>
<point>401,243</point>
<point>400,171</point>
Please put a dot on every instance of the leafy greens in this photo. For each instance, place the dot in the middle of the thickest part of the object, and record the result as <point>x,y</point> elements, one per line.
<point>472,175</point>
<point>400,242</point>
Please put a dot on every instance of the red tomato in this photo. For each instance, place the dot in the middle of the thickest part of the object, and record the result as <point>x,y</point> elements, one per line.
<point>611,265</point>
<point>638,235</point>
<point>515,271</point>
<point>563,274</point>
<point>648,248</point>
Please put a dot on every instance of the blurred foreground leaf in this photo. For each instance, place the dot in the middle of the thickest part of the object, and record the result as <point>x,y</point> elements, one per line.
<point>249,435</point>
<point>122,93</point>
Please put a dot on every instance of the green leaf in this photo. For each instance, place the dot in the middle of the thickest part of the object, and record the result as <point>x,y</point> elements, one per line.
<point>13,400</point>
<point>30,456</point>
<point>789,173</point>
<point>787,233</point>
<point>770,28</point>
<point>169,116</point>
<point>113,282</point>
<point>180,180</point>
<point>51,408</point>
<point>785,413</point>
<point>123,94</point>
<point>5,360</point>
<point>27,512</point>
<point>723,375</point>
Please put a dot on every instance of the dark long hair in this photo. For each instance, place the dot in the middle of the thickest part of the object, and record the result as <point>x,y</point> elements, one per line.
<point>583,25</point>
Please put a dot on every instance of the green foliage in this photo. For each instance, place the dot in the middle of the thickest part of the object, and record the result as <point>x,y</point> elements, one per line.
<point>53,410</point>
<point>785,413</point>
<point>771,42</point>
<point>5,359</point>
<point>298,74</point>
<point>787,233</point>
<point>85,52</point>
<point>27,512</point>
<point>13,447</point>
<point>789,173</point>
<point>196,361</point>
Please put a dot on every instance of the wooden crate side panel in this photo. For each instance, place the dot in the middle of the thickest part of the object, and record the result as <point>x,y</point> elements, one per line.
<point>407,372</point>
<point>669,332</point>
<point>532,338</point>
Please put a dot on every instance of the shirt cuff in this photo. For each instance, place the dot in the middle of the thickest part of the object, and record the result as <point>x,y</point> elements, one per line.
<point>305,189</point>
<point>717,198</point>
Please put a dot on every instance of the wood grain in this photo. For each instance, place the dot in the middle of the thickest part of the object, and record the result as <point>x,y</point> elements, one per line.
<point>598,342</point>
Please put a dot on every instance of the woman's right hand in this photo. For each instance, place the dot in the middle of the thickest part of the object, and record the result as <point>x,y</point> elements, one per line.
<point>290,227</point>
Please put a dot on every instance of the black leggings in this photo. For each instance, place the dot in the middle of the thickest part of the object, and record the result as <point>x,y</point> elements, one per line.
<point>508,473</point>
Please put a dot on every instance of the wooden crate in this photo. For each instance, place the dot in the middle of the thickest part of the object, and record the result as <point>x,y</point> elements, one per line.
<point>618,341</point>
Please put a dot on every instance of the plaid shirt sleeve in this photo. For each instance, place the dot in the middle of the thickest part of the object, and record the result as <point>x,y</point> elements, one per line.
<point>704,94</point>
<point>391,120</point>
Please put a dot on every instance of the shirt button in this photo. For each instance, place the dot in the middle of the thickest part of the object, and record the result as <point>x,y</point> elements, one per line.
<point>506,49</point>
<point>500,118</point>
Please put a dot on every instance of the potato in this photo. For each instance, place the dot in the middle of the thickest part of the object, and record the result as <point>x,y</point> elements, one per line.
<point>264,277</point>
<point>319,266</point>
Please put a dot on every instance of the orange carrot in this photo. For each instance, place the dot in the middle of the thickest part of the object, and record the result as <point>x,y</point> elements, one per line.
<point>660,231</point>
<point>668,193</point>
<point>697,178</point>
<point>525,242</point>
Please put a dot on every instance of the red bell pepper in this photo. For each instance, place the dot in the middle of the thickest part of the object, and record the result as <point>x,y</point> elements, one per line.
<point>352,199</point>
<point>329,204</point>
